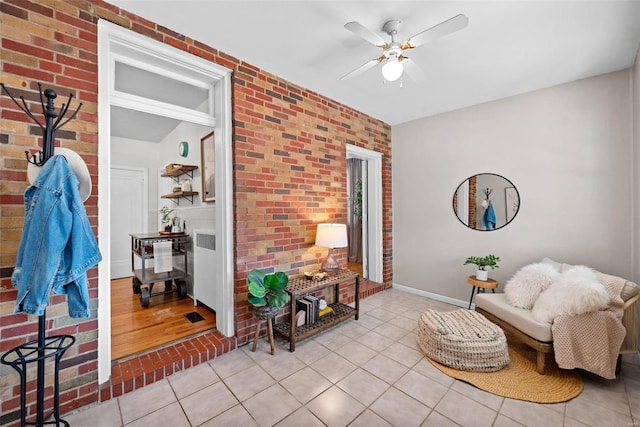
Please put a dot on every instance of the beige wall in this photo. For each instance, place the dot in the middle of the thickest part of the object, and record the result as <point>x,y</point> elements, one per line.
<point>567,149</point>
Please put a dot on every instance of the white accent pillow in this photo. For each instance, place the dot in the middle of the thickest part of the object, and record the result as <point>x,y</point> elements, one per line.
<point>556,264</point>
<point>577,291</point>
<point>523,288</point>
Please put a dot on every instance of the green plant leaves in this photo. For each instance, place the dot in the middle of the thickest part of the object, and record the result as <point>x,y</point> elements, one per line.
<point>482,262</point>
<point>277,298</point>
<point>256,302</point>
<point>276,282</point>
<point>257,290</point>
<point>256,276</point>
<point>267,289</point>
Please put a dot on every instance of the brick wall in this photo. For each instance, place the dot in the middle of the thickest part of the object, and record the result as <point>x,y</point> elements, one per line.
<point>473,188</point>
<point>289,168</point>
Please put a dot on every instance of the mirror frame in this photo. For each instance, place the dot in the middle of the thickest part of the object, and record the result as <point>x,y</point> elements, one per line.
<point>510,192</point>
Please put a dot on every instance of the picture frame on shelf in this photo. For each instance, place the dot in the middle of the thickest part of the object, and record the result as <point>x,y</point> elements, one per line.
<point>208,159</point>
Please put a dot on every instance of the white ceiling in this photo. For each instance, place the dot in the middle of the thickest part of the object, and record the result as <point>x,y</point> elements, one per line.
<point>509,47</point>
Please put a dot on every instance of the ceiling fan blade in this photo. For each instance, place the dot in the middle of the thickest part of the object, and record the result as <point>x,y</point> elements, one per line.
<point>449,26</point>
<point>361,69</point>
<point>413,70</point>
<point>362,31</point>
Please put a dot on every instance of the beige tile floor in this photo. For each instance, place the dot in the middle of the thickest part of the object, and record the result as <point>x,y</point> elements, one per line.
<point>361,373</point>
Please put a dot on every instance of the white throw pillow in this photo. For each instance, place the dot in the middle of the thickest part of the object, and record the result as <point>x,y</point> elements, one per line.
<point>523,288</point>
<point>556,264</point>
<point>576,291</point>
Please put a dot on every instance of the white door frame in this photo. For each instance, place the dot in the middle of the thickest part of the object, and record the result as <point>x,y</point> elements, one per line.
<point>463,202</point>
<point>373,209</point>
<point>365,220</point>
<point>112,41</point>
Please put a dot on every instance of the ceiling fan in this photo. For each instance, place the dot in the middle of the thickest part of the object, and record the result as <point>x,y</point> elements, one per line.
<point>393,54</point>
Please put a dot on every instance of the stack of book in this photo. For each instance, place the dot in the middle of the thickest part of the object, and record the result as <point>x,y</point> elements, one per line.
<point>309,304</point>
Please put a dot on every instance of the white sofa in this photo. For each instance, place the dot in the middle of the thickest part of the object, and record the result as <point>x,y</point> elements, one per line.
<point>519,323</point>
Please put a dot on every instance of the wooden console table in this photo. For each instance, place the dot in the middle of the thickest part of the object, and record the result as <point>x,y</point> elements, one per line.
<point>301,286</point>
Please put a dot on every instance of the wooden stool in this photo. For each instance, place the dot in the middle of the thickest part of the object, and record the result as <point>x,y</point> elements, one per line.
<point>481,284</point>
<point>269,334</point>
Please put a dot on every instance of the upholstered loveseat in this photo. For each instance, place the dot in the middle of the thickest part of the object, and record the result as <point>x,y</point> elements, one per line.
<point>526,325</point>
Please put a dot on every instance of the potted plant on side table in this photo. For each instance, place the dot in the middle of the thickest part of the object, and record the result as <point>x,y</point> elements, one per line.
<point>267,296</point>
<point>483,263</point>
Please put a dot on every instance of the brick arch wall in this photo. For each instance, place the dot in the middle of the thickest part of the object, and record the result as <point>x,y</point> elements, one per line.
<point>289,155</point>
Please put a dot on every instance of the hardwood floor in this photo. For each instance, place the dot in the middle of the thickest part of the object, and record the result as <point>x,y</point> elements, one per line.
<point>355,267</point>
<point>135,329</point>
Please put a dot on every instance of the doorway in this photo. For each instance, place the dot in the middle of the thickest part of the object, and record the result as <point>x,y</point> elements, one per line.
<point>138,322</point>
<point>179,77</point>
<point>370,231</point>
<point>357,216</point>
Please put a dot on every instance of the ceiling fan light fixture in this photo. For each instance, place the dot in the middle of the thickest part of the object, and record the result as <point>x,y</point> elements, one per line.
<point>392,69</point>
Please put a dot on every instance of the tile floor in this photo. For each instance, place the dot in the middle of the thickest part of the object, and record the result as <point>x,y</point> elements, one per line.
<point>361,373</point>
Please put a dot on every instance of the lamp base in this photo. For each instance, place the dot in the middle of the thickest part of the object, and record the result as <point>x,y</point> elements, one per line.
<point>330,264</point>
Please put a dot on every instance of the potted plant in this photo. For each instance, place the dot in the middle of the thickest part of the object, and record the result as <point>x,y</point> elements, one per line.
<point>483,263</point>
<point>266,292</point>
<point>166,218</point>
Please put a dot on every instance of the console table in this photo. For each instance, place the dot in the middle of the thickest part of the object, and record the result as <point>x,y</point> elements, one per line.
<point>300,286</point>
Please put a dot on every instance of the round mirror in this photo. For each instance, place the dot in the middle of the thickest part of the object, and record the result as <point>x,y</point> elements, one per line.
<point>486,202</point>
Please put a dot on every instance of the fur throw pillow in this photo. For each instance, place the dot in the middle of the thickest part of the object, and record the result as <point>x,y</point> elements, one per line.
<point>576,291</point>
<point>523,288</point>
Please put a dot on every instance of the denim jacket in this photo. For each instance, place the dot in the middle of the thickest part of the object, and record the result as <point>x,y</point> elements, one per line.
<point>57,246</point>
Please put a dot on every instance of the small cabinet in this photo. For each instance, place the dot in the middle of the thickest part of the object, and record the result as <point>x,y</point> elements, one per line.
<point>175,171</point>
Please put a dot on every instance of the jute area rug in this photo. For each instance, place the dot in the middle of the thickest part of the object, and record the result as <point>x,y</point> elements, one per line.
<point>520,380</point>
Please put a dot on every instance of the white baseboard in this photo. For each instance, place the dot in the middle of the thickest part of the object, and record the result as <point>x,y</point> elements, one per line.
<point>442,298</point>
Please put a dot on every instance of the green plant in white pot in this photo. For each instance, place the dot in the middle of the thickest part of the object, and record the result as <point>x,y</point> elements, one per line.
<point>266,292</point>
<point>483,264</point>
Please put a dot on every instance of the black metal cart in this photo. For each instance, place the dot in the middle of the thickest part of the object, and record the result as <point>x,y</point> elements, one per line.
<point>145,277</point>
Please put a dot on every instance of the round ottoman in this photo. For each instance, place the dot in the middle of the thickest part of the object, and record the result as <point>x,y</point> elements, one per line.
<point>462,339</point>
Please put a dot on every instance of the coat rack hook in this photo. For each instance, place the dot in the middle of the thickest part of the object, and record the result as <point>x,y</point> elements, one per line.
<point>50,127</point>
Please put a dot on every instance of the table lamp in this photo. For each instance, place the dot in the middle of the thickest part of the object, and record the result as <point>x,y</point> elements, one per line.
<point>331,236</point>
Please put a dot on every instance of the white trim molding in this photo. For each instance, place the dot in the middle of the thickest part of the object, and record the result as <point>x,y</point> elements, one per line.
<point>431,295</point>
<point>115,42</point>
<point>374,208</point>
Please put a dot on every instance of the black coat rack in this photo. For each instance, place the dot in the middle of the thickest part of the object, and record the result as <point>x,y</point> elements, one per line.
<point>487,192</point>
<point>44,347</point>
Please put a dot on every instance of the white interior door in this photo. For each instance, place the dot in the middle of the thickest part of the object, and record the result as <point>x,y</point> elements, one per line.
<point>129,213</point>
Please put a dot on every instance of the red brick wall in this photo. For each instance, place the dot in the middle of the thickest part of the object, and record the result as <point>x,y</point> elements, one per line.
<point>473,187</point>
<point>289,147</point>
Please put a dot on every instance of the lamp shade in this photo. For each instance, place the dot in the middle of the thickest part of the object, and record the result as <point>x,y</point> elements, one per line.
<point>392,69</point>
<point>332,235</point>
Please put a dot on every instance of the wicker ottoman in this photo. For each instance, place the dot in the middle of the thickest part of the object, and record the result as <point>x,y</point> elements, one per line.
<point>462,339</point>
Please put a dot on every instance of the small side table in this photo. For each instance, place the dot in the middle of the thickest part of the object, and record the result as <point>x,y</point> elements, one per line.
<point>481,284</point>
<point>269,334</point>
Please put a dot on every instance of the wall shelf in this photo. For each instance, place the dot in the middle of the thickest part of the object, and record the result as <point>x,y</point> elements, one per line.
<point>175,197</point>
<point>179,171</point>
<point>175,173</point>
